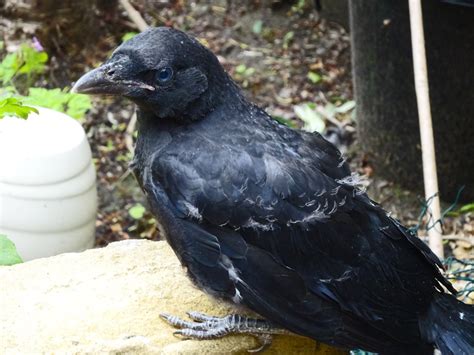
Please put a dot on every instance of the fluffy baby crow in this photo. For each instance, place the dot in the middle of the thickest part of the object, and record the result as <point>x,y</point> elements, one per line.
<point>271,218</point>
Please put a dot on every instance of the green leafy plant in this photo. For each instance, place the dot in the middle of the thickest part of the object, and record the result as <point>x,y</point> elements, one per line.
<point>299,7</point>
<point>243,70</point>
<point>29,62</point>
<point>12,106</point>
<point>144,224</point>
<point>8,253</point>
<point>285,121</point>
<point>75,105</point>
<point>26,60</point>
<point>243,74</point>
<point>128,35</point>
<point>287,39</point>
<point>314,77</point>
<point>8,67</point>
<point>468,208</point>
<point>137,211</point>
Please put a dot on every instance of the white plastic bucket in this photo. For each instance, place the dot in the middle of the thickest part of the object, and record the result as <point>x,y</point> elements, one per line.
<point>48,198</point>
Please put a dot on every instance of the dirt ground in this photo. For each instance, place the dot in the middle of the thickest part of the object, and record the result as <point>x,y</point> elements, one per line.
<point>269,47</point>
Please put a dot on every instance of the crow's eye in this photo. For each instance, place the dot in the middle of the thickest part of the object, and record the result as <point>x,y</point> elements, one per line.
<point>165,75</point>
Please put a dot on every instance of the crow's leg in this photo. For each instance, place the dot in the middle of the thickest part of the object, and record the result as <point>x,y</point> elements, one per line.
<point>209,327</point>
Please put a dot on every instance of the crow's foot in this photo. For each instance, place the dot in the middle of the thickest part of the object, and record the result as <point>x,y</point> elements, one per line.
<point>203,326</point>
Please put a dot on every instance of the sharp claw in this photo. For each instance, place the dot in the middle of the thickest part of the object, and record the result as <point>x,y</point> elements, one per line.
<point>177,322</point>
<point>209,327</point>
<point>165,316</point>
<point>170,319</point>
<point>265,341</point>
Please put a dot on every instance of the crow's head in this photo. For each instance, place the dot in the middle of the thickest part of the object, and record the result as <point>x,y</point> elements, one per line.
<point>164,71</point>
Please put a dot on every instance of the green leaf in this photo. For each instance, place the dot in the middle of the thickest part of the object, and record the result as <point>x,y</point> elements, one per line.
<point>249,71</point>
<point>26,60</point>
<point>75,105</point>
<point>128,35</point>
<point>12,106</point>
<point>257,27</point>
<point>8,67</point>
<point>7,91</point>
<point>137,211</point>
<point>244,71</point>
<point>240,69</point>
<point>285,121</point>
<point>467,208</point>
<point>51,98</point>
<point>313,122</point>
<point>314,77</point>
<point>8,253</point>
<point>299,6</point>
<point>287,38</point>
<point>34,62</point>
<point>78,105</point>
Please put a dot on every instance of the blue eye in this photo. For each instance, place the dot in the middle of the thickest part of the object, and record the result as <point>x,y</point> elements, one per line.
<point>165,75</point>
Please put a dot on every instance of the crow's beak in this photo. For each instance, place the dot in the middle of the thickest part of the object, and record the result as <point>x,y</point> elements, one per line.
<point>112,78</point>
<point>100,81</point>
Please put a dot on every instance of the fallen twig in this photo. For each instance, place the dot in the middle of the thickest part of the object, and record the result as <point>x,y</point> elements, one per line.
<point>134,15</point>
<point>142,26</point>
<point>130,131</point>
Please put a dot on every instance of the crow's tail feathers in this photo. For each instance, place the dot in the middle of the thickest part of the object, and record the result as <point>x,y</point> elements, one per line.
<point>449,325</point>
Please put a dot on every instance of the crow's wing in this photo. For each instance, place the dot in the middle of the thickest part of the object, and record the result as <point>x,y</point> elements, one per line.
<point>296,230</point>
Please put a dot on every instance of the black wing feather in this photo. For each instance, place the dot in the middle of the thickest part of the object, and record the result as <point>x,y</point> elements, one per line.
<point>301,232</point>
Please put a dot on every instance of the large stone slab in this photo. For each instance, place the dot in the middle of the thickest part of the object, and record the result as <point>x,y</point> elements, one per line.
<point>108,301</point>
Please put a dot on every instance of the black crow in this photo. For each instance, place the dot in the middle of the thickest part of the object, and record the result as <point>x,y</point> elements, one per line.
<point>269,217</point>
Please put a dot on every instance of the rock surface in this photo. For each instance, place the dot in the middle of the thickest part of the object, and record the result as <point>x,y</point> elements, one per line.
<point>108,301</point>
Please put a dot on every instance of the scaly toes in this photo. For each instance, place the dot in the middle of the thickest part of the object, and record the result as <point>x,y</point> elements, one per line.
<point>181,323</point>
<point>201,334</point>
<point>201,317</point>
<point>203,327</point>
<point>209,327</point>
